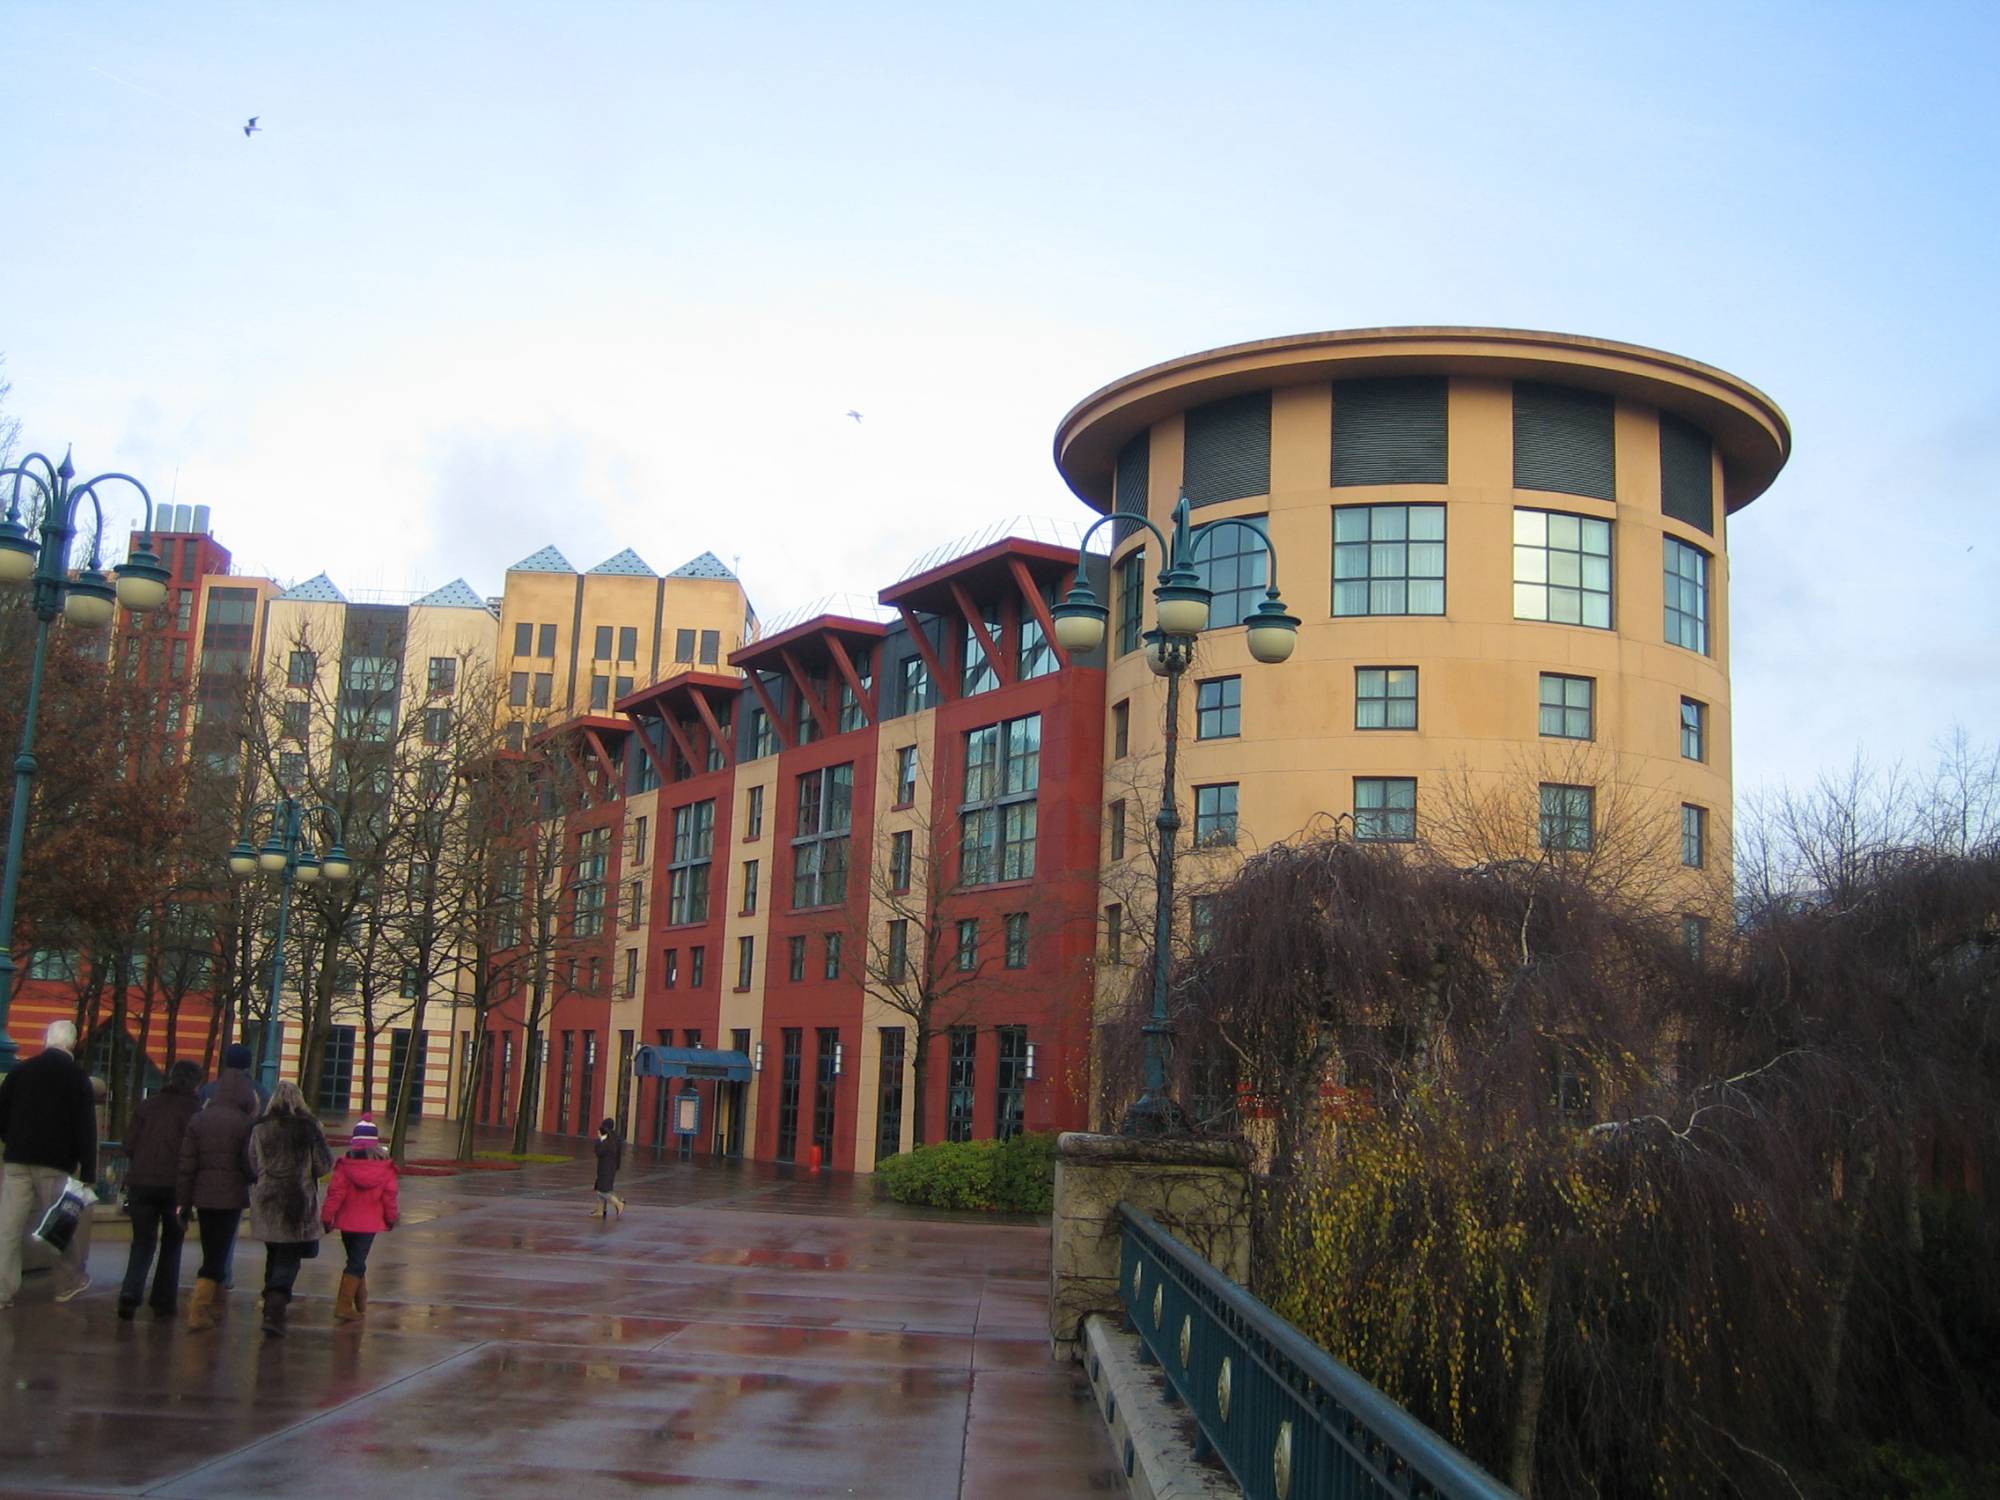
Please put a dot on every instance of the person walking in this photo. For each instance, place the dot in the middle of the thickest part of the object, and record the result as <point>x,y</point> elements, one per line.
<point>610,1156</point>
<point>48,1122</point>
<point>288,1156</point>
<point>360,1203</point>
<point>214,1185</point>
<point>153,1147</point>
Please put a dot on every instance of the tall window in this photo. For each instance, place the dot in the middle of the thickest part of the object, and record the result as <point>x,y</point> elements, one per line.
<point>684,646</point>
<point>524,639</point>
<point>749,887</point>
<point>1694,835</point>
<point>1385,697</point>
<point>819,844</point>
<point>635,904</point>
<point>997,818</point>
<point>746,958</point>
<point>980,675</point>
<point>899,950</point>
<point>795,959</point>
<point>1234,568</point>
<point>1117,838</point>
<point>1114,932</point>
<point>697,966</point>
<point>852,713</point>
<point>1388,560</point>
<point>889,1100</point>
<point>437,725</point>
<point>1035,657</point>
<point>906,775</point>
<point>1568,816</point>
<point>1385,809</point>
<point>336,1078</point>
<point>1562,568</point>
<point>443,674</point>
<point>566,1082</point>
<point>968,944</point>
<point>1694,729</point>
<point>639,829</point>
<point>300,669</point>
<point>788,1092</point>
<point>711,647</point>
<point>593,852</point>
<point>1017,939</point>
<point>1215,816</point>
<point>1010,1092</point>
<point>832,970</point>
<point>629,986</point>
<point>753,813</point>
<point>901,856</point>
<point>694,848</point>
<point>602,646</point>
<point>1131,600</point>
<point>545,641</point>
<point>1218,711</point>
<point>960,1083</point>
<point>1568,706</point>
<point>1694,936</point>
<point>670,967</point>
<point>917,691</point>
<point>628,643</point>
<point>826,1084</point>
<point>763,738</point>
<point>1687,596</point>
<point>1121,729</point>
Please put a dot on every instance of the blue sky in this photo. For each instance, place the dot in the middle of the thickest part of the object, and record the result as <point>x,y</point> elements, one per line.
<point>500,275</point>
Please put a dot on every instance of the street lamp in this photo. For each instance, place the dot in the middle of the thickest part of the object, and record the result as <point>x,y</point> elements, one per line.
<point>87,601</point>
<point>1181,610</point>
<point>288,853</point>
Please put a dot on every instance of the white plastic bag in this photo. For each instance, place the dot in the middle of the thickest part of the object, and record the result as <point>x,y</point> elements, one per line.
<point>58,1226</point>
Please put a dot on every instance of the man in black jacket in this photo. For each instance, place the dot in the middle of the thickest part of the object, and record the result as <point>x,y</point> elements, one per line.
<point>48,1122</point>
<point>153,1146</point>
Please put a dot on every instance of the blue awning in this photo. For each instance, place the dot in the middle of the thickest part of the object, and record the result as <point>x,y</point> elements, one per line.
<point>691,1062</point>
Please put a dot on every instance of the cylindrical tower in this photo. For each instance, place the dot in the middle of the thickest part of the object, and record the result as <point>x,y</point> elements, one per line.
<point>1508,551</point>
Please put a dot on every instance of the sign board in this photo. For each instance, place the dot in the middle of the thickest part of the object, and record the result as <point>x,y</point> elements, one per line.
<point>687,1113</point>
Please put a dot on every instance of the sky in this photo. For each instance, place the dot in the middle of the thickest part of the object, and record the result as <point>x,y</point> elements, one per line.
<point>493,276</point>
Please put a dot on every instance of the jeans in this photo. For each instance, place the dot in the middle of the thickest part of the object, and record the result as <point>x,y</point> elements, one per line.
<point>218,1239</point>
<point>357,1246</point>
<point>154,1218</point>
<point>281,1264</point>
<point>25,1195</point>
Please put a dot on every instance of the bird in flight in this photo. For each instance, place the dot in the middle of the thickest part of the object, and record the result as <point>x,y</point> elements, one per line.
<point>856,415</point>
<point>252,125</point>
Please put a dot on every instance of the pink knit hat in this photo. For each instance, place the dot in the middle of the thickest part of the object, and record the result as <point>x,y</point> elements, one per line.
<point>365,1133</point>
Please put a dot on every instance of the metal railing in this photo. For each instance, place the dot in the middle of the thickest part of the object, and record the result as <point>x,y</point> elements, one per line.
<point>1289,1420</point>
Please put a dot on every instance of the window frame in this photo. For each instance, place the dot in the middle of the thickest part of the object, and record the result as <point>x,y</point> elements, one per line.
<point>1223,718</point>
<point>820,856</point>
<point>1679,586</point>
<point>1563,708</point>
<point>1367,546</point>
<point>999,811</point>
<point>690,863</point>
<point>1559,826</point>
<point>1218,834</point>
<point>1378,817</point>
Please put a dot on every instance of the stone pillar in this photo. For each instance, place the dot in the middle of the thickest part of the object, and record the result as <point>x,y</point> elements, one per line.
<point>1198,1189</point>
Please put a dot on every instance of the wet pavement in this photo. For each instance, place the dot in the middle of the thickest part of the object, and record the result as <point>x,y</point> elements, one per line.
<point>742,1330</point>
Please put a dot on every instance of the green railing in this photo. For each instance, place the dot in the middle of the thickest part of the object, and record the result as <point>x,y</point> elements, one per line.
<point>1289,1420</point>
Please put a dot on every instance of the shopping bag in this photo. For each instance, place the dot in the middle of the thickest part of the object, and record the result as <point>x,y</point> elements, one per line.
<point>58,1226</point>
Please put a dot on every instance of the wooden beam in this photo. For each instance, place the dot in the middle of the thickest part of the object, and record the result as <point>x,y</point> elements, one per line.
<point>778,725</point>
<point>684,745</point>
<point>863,695</point>
<point>1001,667</point>
<point>718,738</point>
<point>1031,594</point>
<point>603,758</point>
<point>812,700</point>
<point>947,689</point>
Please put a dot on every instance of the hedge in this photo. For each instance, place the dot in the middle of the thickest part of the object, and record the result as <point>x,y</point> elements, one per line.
<point>1015,1176</point>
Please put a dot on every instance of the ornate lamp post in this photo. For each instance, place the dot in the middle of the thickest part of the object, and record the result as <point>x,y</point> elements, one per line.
<point>288,853</point>
<point>1182,613</point>
<point>87,601</point>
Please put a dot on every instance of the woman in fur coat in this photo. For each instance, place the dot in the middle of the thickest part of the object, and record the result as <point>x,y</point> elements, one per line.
<point>288,1156</point>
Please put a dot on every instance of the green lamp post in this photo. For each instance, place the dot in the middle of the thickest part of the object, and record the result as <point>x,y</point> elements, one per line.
<point>87,601</point>
<point>1181,603</point>
<point>288,853</point>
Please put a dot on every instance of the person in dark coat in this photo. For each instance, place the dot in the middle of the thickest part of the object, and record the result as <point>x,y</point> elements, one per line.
<point>48,1121</point>
<point>610,1155</point>
<point>215,1185</point>
<point>153,1147</point>
<point>288,1156</point>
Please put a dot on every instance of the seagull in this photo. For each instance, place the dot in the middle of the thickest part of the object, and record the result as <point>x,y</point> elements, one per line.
<point>253,125</point>
<point>857,417</point>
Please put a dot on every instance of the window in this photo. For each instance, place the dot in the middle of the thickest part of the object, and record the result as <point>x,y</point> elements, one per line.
<point>1388,560</point>
<point>1121,729</point>
<point>763,738</point>
<point>297,720</point>
<point>788,1093</point>
<point>517,690</point>
<point>1117,839</point>
<point>684,646</point>
<point>546,645</point>
<point>1228,449</point>
<point>749,887</point>
<point>1035,657</point>
<point>819,846</point>
<point>1009,1095</point>
<point>1131,600</point>
<point>899,950</point>
<point>1694,729</point>
<point>1687,596</point>
<point>600,694</point>
<point>670,967</point>
<point>593,854</point>
<point>694,848</point>
<point>630,984</point>
<point>1390,431</point>
<point>753,813</point>
<point>1201,923</point>
<point>437,725</point>
<point>831,970</point>
<point>1568,816</point>
<point>1218,712</point>
<point>1563,441</point>
<point>1385,697</point>
<point>1215,816</point>
<point>1687,473</point>
<point>628,643</point>
<point>54,963</point>
<point>1385,809</point>
<point>1562,568</point>
<point>805,722</point>
<point>711,647</point>
<point>1694,835</point>
<point>545,689</point>
<point>1234,568</point>
<point>902,854</point>
<point>746,956</point>
<point>635,904</point>
<point>603,644</point>
<point>979,674</point>
<point>960,1081</point>
<point>524,639</point>
<point>906,775</point>
<point>916,685</point>
<point>851,714</point>
<point>1568,706</point>
<point>997,819</point>
<point>1572,1082</point>
<point>336,1077</point>
<point>697,966</point>
<point>300,669</point>
<point>825,1085</point>
<point>968,944</point>
<point>889,1106</point>
<point>1016,928</point>
<point>795,959</point>
<point>1694,937</point>
<point>1114,932</point>
<point>639,840</point>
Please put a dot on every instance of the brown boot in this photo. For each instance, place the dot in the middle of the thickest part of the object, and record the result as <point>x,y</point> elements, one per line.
<point>361,1294</point>
<point>346,1301</point>
<point>201,1306</point>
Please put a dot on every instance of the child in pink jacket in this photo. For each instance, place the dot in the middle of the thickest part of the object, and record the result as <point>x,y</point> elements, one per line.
<point>360,1203</point>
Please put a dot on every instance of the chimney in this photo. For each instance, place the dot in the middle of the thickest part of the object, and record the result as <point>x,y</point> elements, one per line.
<point>200,521</point>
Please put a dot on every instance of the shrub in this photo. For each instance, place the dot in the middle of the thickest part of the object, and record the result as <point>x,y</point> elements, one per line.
<point>1016,1176</point>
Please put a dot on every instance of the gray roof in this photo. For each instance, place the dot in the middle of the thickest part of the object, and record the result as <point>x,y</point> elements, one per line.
<point>548,560</point>
<point>708,565</point>
<point>319,590</point>
<point>454,595</point>
<point>628,563</point>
